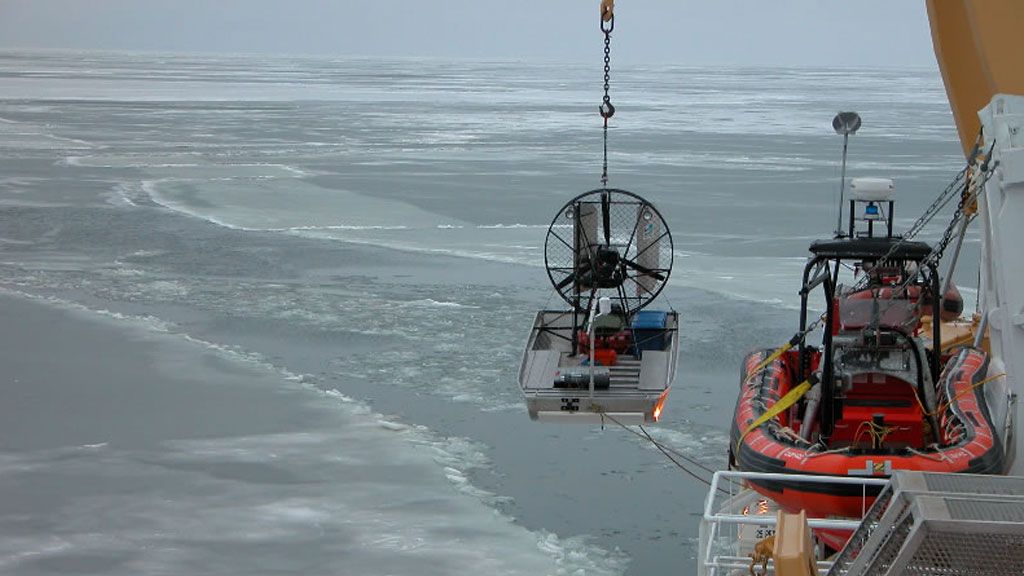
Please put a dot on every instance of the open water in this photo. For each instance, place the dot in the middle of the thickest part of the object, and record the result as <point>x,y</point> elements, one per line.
<point>367,236</point>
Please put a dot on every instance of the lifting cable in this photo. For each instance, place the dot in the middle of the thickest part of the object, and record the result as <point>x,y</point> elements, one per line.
<point>606,108</point>
<point>667,451</point>
<point>946,405</point>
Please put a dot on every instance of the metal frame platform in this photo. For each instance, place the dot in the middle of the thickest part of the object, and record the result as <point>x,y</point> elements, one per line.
<point>921,523</point>
<point>939,525</point>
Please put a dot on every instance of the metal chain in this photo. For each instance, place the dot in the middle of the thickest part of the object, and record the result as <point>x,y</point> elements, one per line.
<point>940,202</point>
<point>947,235</point>
<point>606,108</point>
<point>972,189</point>
<point>971,195</point>
<point>960,182</point>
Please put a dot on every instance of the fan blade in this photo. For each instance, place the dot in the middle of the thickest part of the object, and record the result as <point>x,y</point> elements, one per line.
<point>566,281</point>
<point>580,271</point>
<point>644,270</point>
<point>606,217</point>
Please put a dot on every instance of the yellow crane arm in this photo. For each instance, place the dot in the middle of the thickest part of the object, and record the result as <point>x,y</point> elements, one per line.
<point>978,47</point>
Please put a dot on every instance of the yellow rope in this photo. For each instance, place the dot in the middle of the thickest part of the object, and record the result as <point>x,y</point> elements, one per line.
<point>876,432</point>
<point>607,9</point>
<point>920,404</point>
<point>763,552</point>
<point>942,408</point>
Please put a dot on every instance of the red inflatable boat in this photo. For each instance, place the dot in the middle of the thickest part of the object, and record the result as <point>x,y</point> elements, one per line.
<point>872,397</point>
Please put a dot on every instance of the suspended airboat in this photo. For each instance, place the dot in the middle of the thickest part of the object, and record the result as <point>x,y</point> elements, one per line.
<point>608,255</point>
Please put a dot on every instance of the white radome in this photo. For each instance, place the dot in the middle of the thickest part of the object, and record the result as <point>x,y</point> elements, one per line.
<point>872,189</point>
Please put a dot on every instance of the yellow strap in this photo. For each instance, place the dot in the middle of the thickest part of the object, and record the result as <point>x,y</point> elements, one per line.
<point>607,9</point>
<point>771,358</point>
<point>796,339</point>
<point>777,408</point>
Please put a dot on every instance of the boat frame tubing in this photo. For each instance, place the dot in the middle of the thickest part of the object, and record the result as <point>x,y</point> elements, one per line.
<point>827,408</point>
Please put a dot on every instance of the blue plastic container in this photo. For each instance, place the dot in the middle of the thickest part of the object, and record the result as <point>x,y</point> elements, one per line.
<point>649,329</point>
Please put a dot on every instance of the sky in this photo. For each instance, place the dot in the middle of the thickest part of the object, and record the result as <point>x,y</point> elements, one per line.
<point>699,32</point>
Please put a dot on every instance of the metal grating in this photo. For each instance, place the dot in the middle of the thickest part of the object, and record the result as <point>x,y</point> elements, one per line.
<point>863,533</point>
<point>974,484</point>
<point>945,553</point>
<point>986,510</point>
<point>963,530</point>
<point>884,556</point>
<point>974,526</point>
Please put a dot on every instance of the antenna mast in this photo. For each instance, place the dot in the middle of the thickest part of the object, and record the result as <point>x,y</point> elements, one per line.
<point>844,123</point>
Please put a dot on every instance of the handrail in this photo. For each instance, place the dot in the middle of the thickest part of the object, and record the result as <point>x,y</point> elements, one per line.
<point>711,563</point>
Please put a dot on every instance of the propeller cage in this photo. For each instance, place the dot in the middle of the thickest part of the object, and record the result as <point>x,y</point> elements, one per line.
<point>608,242</point>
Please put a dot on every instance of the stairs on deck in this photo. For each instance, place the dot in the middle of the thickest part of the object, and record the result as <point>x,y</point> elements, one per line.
<point>625,374</point>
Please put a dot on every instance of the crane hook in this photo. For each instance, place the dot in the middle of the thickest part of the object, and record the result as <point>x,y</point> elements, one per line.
<point>607,15</point>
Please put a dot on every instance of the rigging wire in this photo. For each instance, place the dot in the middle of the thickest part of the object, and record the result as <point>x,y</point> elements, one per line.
<point>970,189</point>
<point>971,192</point>
<point>668,452</point>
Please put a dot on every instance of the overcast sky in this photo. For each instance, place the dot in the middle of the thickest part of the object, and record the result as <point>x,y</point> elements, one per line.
<point>742,32</point>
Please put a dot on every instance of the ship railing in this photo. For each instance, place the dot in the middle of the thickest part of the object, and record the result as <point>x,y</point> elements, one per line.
<point>736,518</point>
